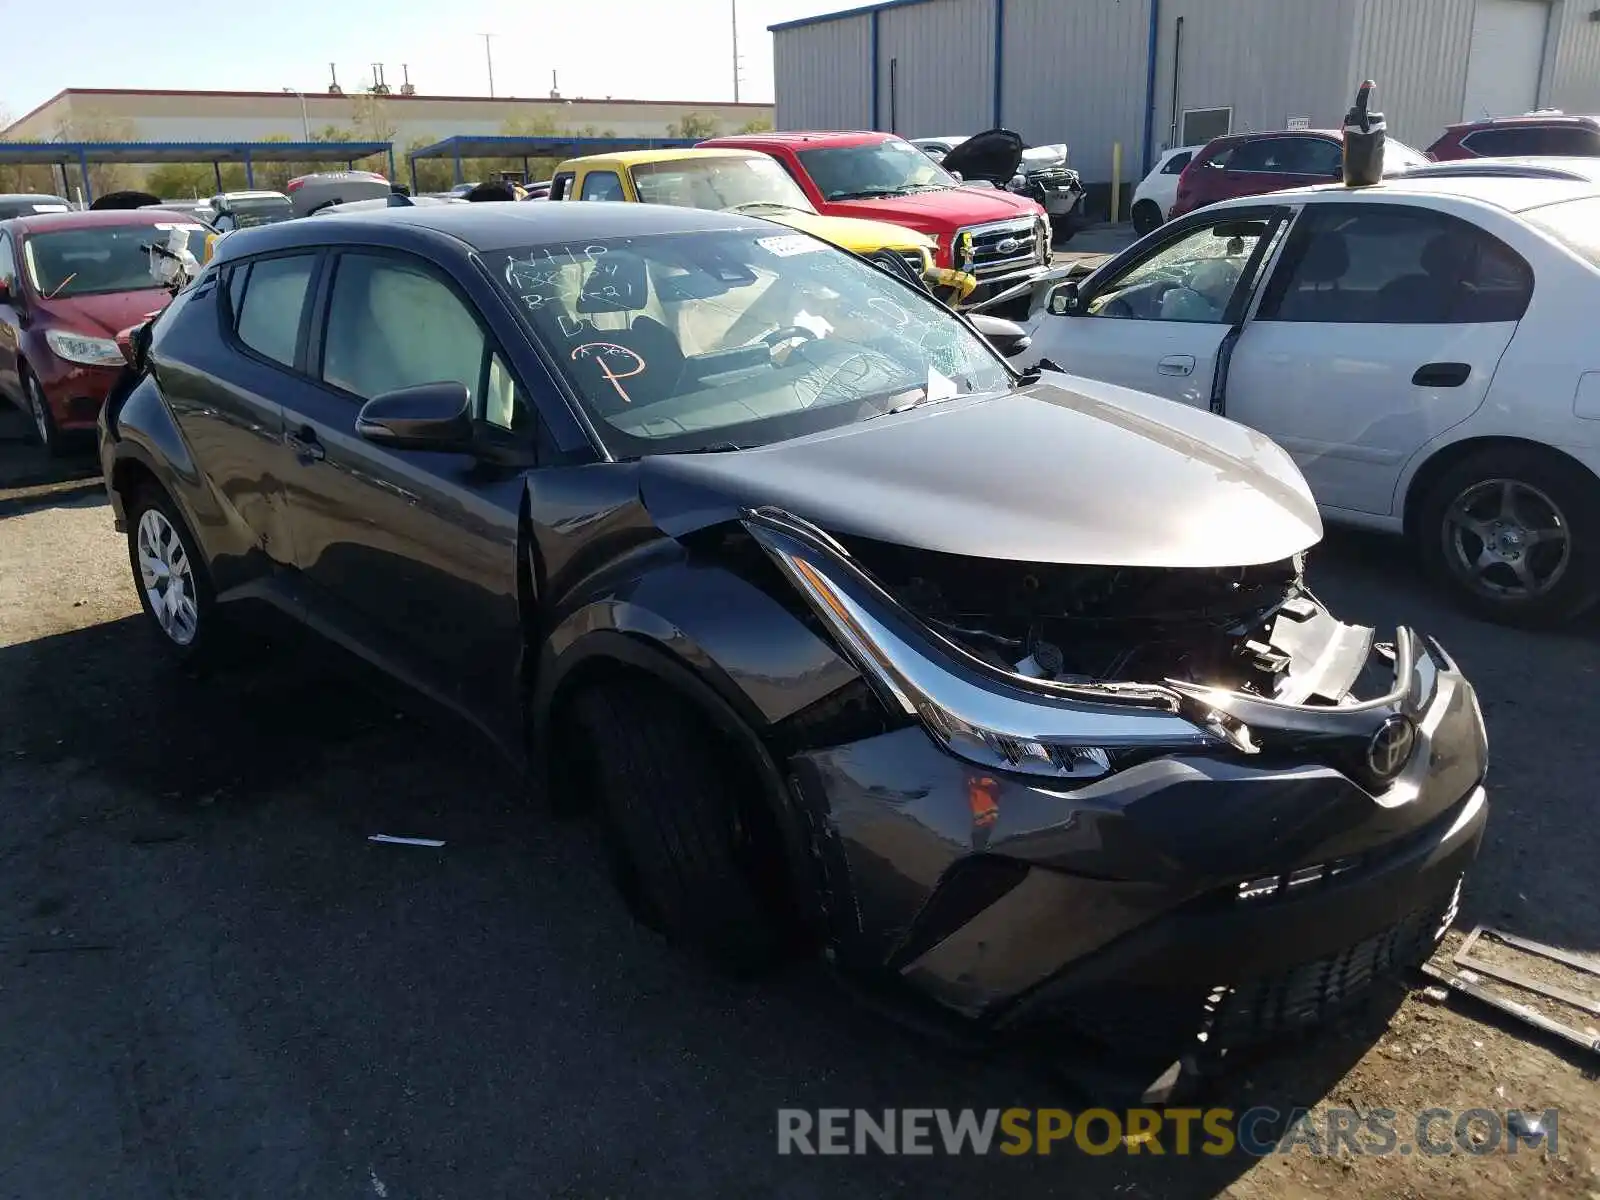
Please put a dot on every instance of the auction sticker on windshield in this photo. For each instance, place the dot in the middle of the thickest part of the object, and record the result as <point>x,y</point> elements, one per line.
<point>788,245</point>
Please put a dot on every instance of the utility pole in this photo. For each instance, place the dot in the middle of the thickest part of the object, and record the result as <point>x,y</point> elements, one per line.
<point>488,55</point>
<point>733,6</point>
<point>305,120</point>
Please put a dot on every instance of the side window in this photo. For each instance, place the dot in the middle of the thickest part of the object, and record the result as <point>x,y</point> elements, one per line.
<point>8,261</point>
<point>268,296</point>
<point>1258,155</point>
<point>561,185</point>
<point>1561,140</point>
<point>601,185</point>
<point>1192,279</point>
<point>1380,264</point>
<point>1502,143</point>
<point>1312,156</point>
<point>393,324</point>
<point>1177,163</point>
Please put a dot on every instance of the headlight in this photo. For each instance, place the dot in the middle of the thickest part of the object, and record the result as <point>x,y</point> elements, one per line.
<point>961,251</point>
<point>975,711</point>
<point>90,351</point>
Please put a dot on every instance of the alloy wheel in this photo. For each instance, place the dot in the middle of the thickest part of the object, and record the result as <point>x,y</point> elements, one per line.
<point>167,577</point>
<point>1507,540</point>
<point>38,411</point>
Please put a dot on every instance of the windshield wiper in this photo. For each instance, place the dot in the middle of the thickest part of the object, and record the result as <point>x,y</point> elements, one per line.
<point>870,194</point>
<point>749,204</point>
<point>713,448</point>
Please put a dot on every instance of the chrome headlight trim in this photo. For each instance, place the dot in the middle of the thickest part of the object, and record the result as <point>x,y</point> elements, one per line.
<point>973,710</point>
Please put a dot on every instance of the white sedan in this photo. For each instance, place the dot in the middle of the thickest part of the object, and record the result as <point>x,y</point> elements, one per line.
<point>1425,350</point>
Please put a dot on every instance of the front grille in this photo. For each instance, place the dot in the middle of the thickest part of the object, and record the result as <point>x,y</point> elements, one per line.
<point>1004,246</point>
<point>1054,177</point>
<point>1232,1017</point>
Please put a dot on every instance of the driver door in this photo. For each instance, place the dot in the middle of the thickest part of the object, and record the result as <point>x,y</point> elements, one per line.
<point>1157,322</point>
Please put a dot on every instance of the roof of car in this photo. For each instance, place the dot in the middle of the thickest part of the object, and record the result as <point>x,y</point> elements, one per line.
<point>1533,118</point>
<point>632,158</point>
<point>1510,192</point>
<point>491,226</point>
<point>1530,166</point>
<point>802,138</point>
<point>53,221</point>
<point>42,197</point>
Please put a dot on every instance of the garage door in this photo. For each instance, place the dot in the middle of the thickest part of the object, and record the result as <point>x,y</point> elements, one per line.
<point>1507,56</point>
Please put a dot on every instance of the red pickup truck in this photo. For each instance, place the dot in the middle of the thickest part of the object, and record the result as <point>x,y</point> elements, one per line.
<point>999,236</point>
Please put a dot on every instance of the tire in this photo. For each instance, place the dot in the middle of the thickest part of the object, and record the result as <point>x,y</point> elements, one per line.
<point>1464,517</point>
<point>670,811</point>
<point>41,421</point>
<point>186,626</point>
<point>1146,217</point>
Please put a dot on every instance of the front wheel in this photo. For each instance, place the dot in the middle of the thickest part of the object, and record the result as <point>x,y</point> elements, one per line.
<point>1515,534</point>
<point>1146,217</point>
<point>689,859</point>
<point>43,420</point>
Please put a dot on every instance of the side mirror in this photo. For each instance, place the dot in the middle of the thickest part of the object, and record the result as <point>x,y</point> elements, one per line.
<point>6,294</point>
<point>1064,298</point>
<point>957,176</point>
<point>1007,337</point>
<point>1019,182</point>
<point>430,416</point>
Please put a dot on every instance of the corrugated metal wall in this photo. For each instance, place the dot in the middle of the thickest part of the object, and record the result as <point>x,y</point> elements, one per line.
<point>1267,59</point>
<point>1573,75</point>
<point>1074,72</point>
<point>1416,51</point>
<point>943,77</point>
<point>823,75</point>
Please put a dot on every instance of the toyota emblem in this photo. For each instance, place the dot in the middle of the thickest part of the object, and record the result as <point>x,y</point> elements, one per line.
<point>1391,747</point>
<point>1008,245</point>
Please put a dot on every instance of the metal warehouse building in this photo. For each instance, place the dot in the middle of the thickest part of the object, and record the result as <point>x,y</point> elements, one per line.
<point>1155,73</point>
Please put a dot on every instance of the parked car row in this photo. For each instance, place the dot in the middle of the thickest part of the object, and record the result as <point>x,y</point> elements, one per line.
<point>848,635</point>
<point>1250,164</point>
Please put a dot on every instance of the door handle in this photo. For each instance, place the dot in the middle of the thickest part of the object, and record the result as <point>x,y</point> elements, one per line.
<point>1442,374</point>
<point>305,445</point>
<point>1176,364</point>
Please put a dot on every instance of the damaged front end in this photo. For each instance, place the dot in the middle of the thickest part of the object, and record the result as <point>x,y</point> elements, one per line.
<point>1130,786</point>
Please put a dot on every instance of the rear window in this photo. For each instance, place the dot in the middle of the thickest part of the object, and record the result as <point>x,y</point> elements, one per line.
<point>1573,223</point>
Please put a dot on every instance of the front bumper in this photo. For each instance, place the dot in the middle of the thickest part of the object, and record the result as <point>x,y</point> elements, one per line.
<point>76,393</point>
<point>1244,883</point>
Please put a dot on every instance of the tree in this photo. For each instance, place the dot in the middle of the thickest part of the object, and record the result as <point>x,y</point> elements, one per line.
<point>24,178</point>
<point>759,125</point>
<point>373,120</point>
<point>95,126</point>
<point>693,125</point>
<point>182,181</point>
<point>433,174</point>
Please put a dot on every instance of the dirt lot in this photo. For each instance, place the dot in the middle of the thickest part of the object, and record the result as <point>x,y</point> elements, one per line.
<point>212,984</point>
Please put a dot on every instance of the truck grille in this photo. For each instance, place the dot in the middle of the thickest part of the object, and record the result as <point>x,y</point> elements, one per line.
<point>1005,246</point>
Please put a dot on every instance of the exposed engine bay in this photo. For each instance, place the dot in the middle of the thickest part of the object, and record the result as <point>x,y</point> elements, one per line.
<point>1241,629</point>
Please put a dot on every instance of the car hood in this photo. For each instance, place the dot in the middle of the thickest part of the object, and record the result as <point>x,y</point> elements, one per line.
<point>933,212</point>
<point>1069,471</point>
<point>104,316</point>
<point>853,233</point>
<point>993,154</point>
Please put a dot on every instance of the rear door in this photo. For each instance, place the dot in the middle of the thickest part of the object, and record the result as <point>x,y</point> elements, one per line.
<point>1380,328</point>
<point>1159,320</point>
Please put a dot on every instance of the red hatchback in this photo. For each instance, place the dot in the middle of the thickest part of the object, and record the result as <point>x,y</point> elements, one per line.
<point>1536,135</point>
<point>1251,164</point>
<point>69,283</point>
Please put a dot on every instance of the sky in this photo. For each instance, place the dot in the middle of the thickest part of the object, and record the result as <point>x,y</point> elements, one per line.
<point>634,49</point>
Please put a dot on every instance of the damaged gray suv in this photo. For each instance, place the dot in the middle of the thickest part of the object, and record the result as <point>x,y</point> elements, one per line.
<point>1007,690</point>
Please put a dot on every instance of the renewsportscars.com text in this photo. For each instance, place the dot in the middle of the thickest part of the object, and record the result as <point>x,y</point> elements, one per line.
<point>1215,1132</point>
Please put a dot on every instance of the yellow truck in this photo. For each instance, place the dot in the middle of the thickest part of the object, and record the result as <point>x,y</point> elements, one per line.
<point>747,181</point>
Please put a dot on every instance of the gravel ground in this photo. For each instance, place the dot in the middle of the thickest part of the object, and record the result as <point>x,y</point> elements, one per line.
<point>212,984</point>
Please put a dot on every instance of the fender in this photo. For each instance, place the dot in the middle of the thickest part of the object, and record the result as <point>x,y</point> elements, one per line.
<point>144,432</point>
<point>764,667</point>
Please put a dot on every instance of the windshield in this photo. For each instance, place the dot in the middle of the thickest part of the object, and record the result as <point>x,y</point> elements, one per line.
<point>888,168</point>
<point>695,341</point>
<point>102,259</point>
<point>1398,157</point>
<point>256,210</point>
<point>1573,223</point>
<point>722,184</point>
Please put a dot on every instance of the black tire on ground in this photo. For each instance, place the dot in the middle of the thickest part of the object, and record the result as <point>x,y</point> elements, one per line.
<point>679,836</point>
<point>1146,217</point>
<point>1570,489</point>
<point>41,421</point>
<point>200,648</point>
